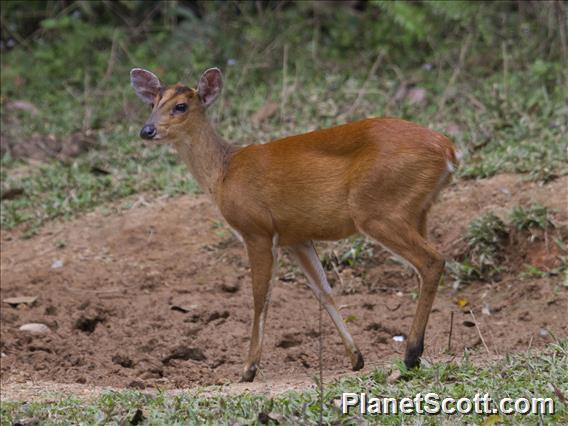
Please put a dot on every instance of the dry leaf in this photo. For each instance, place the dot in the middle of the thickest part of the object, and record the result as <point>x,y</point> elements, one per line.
<point>492,420</point>
<point>20,300</point>
<point>462,302</point>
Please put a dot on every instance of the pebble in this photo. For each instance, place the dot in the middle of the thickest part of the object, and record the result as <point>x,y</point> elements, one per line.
<point>57,264</point>
<point>35,328</point>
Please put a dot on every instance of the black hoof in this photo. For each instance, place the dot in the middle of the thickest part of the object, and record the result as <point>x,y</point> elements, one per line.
<point>413,354</point>
<point>412,363</point>
<point>249,374</point>
<point>359,363</point>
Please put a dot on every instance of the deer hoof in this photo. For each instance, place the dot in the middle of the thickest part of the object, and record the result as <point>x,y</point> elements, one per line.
<point>413,354</point>
<point>358,363</point>
<point>248,375</point>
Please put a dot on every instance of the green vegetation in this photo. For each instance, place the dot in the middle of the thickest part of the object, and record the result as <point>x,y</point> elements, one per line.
<point>488,236</point>
<point>535,216</point>
<point>490,75</point>
<point>485,239</point>
<point>532,374</point>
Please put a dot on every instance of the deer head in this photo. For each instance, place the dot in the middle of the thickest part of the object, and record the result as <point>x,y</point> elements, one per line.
<point>174,108</point>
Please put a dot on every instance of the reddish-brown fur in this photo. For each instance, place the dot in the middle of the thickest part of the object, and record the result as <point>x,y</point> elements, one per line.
<point>377,176</point>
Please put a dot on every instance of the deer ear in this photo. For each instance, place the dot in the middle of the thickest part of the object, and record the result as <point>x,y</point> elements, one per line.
<point>145,83</point>
<point>210,86</point>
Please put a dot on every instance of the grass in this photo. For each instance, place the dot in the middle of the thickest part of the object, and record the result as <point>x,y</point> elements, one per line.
<point>540,374</point>
<point>488,235</point>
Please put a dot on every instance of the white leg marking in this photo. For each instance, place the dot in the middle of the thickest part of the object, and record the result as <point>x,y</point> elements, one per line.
<point>317,281</point>
<point>270,285</point>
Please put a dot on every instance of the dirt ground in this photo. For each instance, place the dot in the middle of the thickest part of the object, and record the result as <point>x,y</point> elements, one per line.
<point>159,296</point>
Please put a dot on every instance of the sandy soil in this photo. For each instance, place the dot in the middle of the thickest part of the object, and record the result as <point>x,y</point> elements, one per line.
<point>159,296</point>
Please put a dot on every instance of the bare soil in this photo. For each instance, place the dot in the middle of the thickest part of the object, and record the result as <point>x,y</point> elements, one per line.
<point>159,296</point>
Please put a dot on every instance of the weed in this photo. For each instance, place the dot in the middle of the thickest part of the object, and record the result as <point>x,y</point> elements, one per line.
<point>485,239</point>
<point>535,216</point>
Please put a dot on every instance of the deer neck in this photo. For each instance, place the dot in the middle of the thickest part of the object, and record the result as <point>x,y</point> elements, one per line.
<point>205,153</point>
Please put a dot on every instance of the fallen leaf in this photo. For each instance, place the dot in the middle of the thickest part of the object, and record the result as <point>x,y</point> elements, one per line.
<point>462,302</point>
<point>20,300</point>
<point>492,420</point>
<point>350,318</point>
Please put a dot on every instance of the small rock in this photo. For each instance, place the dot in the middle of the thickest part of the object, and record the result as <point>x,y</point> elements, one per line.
<point>136,384</point>
<point>398,338</point>
<point>123,361</point>
<point>57,264</point>
<point>289,341</point>
<point>35,328</point>
<point>185,353</point>
<point>543,332</point>
<point>3,355</point>
<point>230,287</point>
<point>216,315</point>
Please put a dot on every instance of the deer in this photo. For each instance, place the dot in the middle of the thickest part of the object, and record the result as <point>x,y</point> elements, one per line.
<point>377,177</point>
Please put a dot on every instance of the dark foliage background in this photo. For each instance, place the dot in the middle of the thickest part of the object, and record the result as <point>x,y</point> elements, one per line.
<point>492,75</point>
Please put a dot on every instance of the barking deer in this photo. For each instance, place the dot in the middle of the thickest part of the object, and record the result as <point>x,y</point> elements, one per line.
<point>378,177</point>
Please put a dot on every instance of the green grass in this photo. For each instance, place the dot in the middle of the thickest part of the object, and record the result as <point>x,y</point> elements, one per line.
<point>488,235</point>
<point>527,375</point>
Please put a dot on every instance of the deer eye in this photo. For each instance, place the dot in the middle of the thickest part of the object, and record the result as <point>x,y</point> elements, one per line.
<point>181,107</point>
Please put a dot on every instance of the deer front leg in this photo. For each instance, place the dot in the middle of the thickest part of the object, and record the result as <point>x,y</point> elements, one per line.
<point>262,253</point>
<point>308,259</point>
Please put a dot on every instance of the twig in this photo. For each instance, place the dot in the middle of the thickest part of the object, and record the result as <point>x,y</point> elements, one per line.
<point>363,88</point>
<point>451,329</point>
<point>337,273</point>
<point>321,360</point>
<point>284,81</point>
<point>505,72</point>
<point>455,74</point>
<point>88,113</point>
<point>479,332</point>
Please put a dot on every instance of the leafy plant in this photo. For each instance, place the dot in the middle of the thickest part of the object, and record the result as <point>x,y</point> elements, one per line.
<point>535,216</point>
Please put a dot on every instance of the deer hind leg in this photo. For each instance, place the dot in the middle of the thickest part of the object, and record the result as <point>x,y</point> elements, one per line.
<point>409,243</point>
<point>307,257</point>
<point>262,253</point>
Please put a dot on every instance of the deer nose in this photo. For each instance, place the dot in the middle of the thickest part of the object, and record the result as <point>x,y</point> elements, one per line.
<point>148,131</point>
